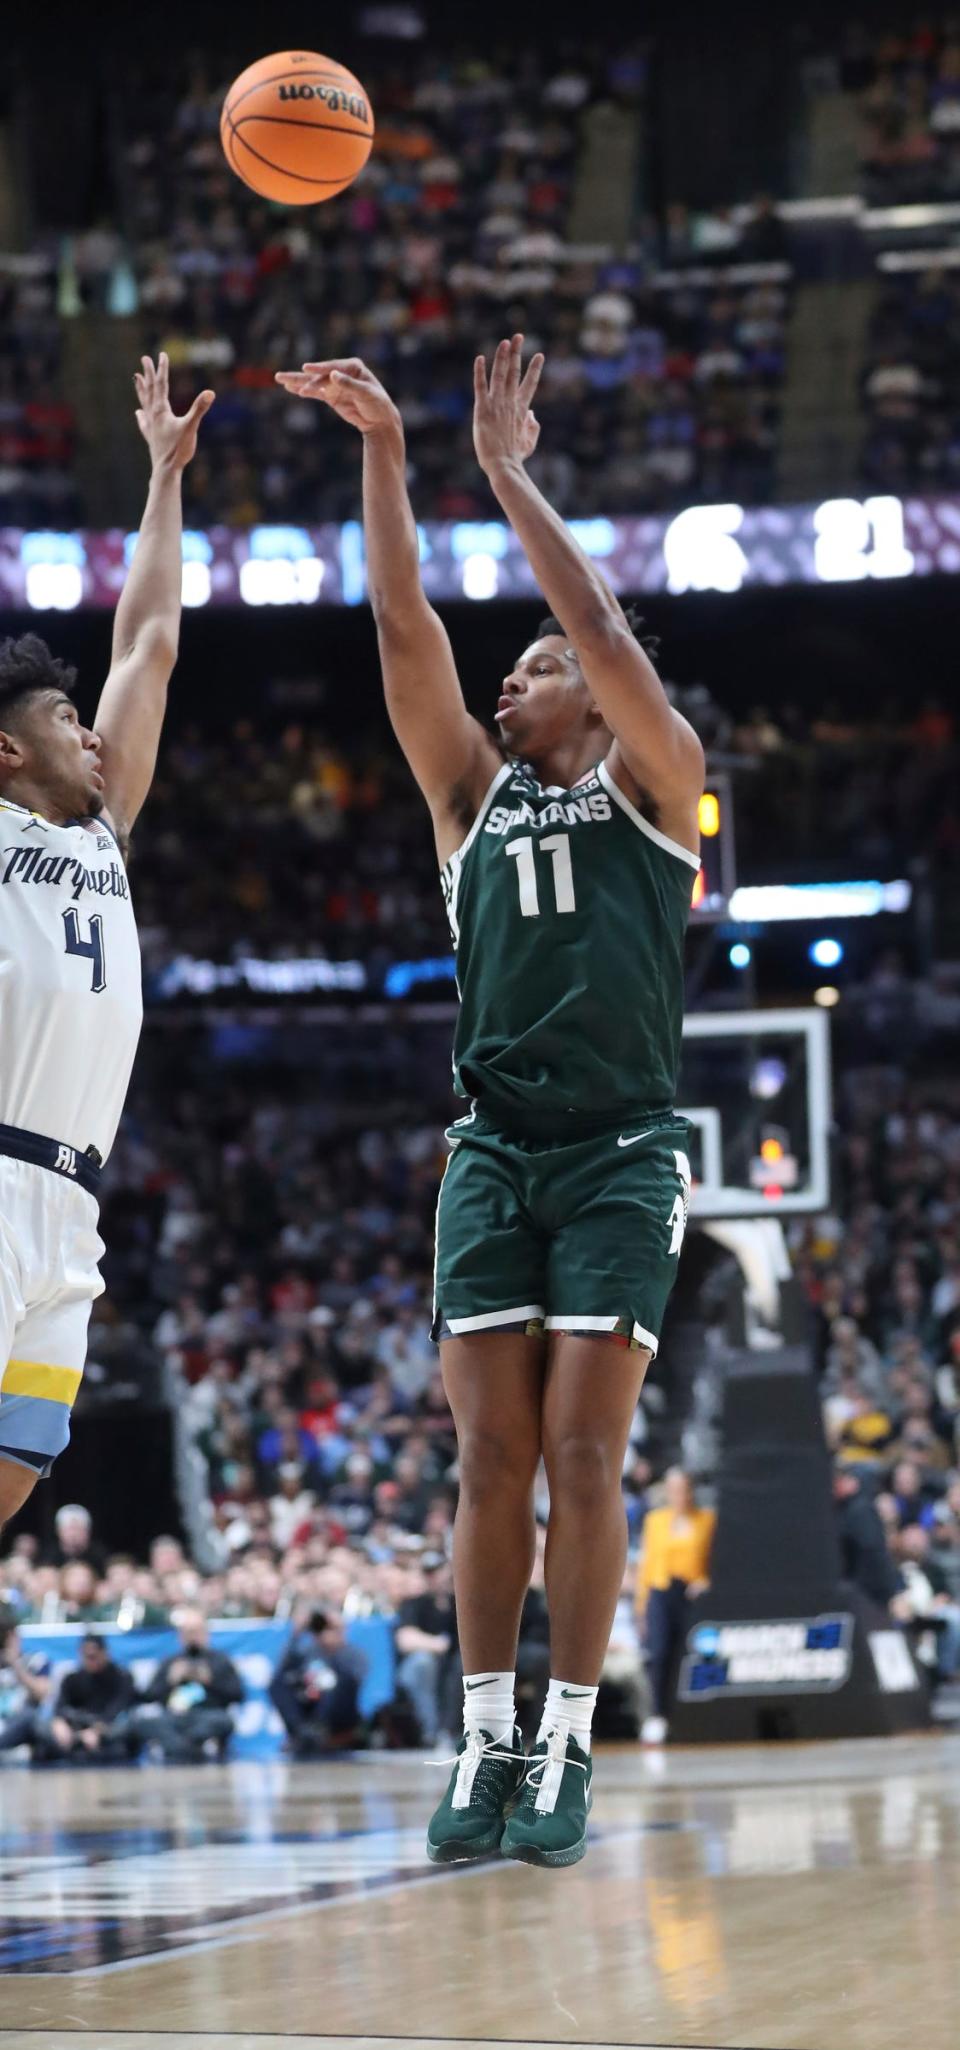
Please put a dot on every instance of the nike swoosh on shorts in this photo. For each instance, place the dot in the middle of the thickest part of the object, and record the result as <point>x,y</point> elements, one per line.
<point>636,1138</point>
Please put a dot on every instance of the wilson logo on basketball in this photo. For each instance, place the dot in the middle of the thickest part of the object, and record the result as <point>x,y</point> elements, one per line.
<point>333,97</point>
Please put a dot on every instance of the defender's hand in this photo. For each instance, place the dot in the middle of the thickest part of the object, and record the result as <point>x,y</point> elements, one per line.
<point>170,437</point>
<point>349,388</point>
<point>504,428</point>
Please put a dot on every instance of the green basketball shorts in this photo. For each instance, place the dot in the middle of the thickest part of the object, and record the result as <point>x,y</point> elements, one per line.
<point>567,1234</point>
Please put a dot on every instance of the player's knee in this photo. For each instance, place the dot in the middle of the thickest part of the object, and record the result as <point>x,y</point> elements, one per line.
<point>492,1462</point>
<point>581,1470</point>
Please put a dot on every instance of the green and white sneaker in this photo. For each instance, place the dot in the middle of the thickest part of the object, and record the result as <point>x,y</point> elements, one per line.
<point>469,1821</point>
<point>549,1823</point>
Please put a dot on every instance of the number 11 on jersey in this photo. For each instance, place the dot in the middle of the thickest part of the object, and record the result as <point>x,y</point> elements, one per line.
<point>523,853</point>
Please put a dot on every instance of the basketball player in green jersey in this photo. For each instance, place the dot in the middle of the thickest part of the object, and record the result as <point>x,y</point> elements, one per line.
<point>568,856</point>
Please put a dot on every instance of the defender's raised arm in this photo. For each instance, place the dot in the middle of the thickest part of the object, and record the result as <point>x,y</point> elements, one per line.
<point>451,756</point>
<point>147,625</point>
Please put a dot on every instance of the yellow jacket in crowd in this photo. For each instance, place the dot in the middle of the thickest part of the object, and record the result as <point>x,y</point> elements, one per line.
<point>670,1553</point>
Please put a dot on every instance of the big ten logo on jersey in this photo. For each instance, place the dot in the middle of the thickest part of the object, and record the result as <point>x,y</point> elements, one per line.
<point>590,806</point>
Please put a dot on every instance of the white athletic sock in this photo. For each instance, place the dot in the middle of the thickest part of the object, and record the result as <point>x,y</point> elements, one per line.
<point>568,1708</point>
<point>488,1705</point>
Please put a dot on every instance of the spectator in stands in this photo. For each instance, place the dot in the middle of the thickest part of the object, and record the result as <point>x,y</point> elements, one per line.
<point>130,1597</point>
<point>864,1554</point>
<point>948,1386</point>
<point>763,238</point>
<point>928,1596</point>
<point>851,1354</point>
<point>166,1556</point>
<point>78,1595</point>
<point>858,1428</point>
<point>674,1570</point>
<point>914,1501</point>
<point>25,1686</point>
<point>924,1431</point>
<point>285,1441</point>
<point>316,1687</point>
<point>75,1543</point>
<point>429,1667</point>
<point>195,1688</point>
<point>291,1505</point>
<point>92,1715</point>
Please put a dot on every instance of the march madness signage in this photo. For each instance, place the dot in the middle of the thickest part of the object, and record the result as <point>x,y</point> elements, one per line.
<point>807,1655</point>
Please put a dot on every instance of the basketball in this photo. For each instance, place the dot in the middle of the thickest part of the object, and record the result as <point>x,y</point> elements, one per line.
<point>297,127</point>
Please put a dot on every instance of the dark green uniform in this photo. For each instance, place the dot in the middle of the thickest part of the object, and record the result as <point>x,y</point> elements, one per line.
<point>565,1197</point>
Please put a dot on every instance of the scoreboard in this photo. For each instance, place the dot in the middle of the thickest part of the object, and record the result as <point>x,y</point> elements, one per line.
<point>724,548</point>
<point>717,880</point>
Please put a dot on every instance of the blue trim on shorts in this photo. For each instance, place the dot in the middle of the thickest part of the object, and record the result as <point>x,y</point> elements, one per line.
<point>35,1462</point>
<point>33,1430</point>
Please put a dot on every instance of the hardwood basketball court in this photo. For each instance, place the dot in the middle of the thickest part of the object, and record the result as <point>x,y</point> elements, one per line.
<point>789,1898</point>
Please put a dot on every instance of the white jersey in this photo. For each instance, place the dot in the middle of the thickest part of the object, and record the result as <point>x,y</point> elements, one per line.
<point>71,1005</point>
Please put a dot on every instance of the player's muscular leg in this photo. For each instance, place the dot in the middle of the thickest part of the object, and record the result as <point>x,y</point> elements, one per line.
<point>16,1483</point>
<point>590,1395</point>
<point>494,1384</point>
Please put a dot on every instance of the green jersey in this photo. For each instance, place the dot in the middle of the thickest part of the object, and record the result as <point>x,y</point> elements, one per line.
<point>568,911</point>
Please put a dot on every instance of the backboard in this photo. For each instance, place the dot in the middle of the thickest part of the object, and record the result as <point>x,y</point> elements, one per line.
<point>756,1088</point>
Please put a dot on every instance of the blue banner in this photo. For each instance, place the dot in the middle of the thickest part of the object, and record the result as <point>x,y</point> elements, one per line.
<point>256,1649</point>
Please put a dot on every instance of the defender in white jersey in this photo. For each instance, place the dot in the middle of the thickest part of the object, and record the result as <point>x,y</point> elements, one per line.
<point>70,1000</point>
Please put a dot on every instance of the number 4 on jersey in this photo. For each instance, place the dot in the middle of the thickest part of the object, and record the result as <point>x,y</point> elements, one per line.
<point>91,949</point>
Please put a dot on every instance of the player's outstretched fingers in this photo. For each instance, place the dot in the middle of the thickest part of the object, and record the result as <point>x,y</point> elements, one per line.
<point>201,405</point>
<point>303,386</point>
<point>353,365</point>
<point>498,373</point>
<point>531,380</point>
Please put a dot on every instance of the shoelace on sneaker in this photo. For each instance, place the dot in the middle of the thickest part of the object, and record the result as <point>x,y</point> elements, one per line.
<point>545,1775</point>
<point>471,1763</point>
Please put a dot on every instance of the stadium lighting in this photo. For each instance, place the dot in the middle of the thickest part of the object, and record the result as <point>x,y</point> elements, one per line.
<point>768,903</point>
<point>740,955</point>
<point>827,996</point>
<point>826,953</point>
<point>709,814</point>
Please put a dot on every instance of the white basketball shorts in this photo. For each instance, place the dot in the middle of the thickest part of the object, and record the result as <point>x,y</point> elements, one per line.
<point>50,1248</point>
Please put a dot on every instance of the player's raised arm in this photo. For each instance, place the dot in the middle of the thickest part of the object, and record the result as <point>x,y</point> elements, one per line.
<point>660,750</point>
<point>450,754</point>
<point>146,629</point>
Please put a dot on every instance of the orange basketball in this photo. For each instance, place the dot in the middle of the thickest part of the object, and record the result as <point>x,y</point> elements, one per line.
<point>297,127</point>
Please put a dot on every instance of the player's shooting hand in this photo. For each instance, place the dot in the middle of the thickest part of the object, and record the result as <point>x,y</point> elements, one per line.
<point>349,389</point>
<point>170,437</point>
<point>504,427</point>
